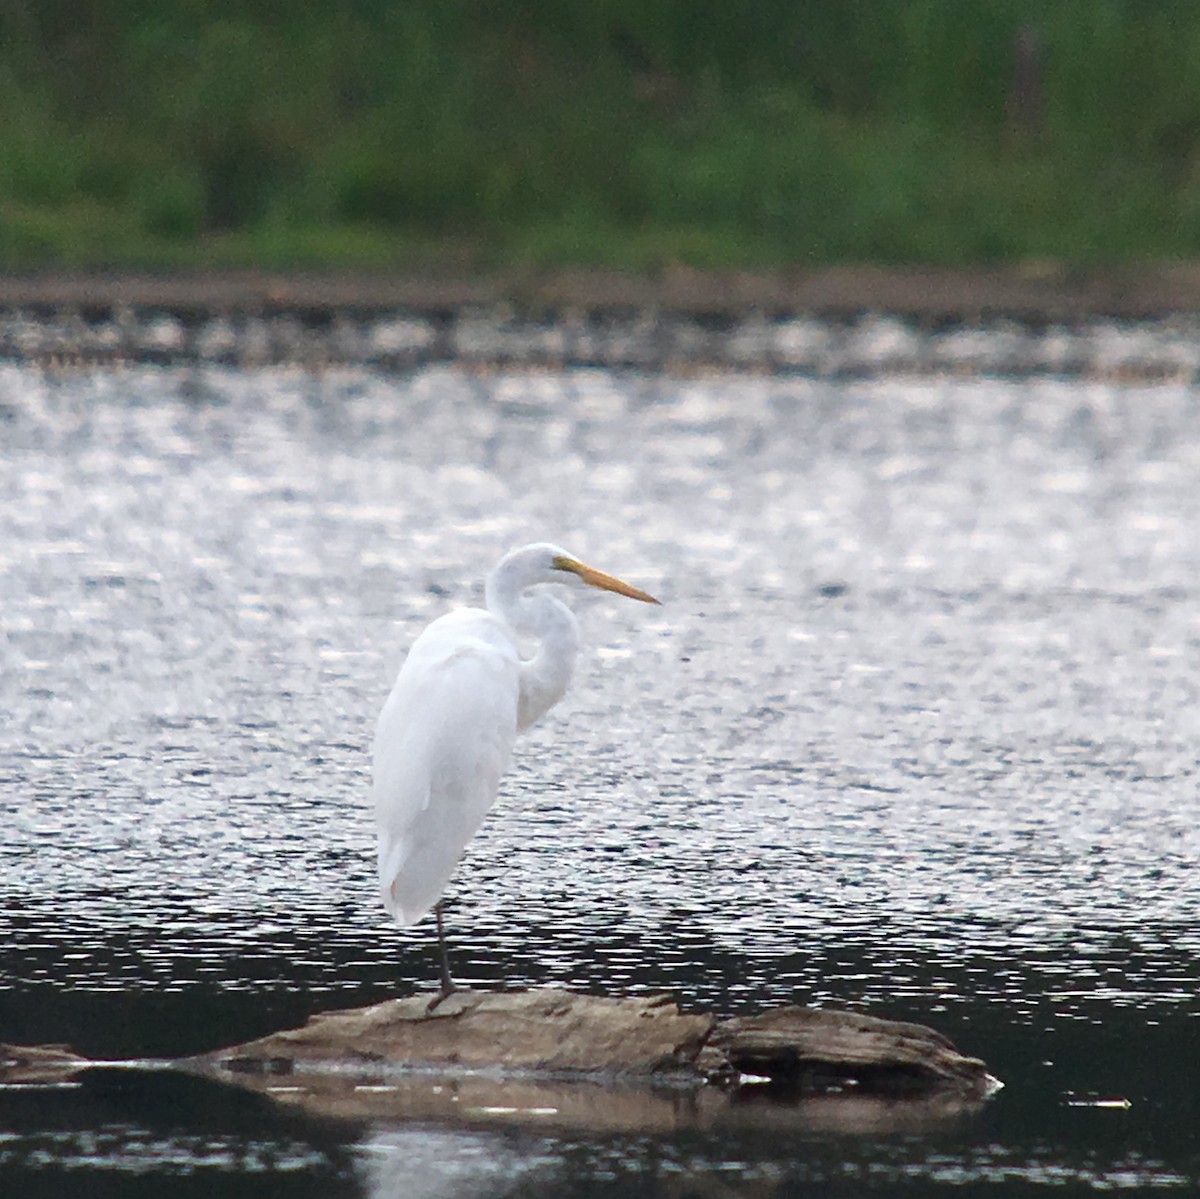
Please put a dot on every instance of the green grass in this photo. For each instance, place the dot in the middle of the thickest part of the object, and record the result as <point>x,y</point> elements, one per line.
<point>452,134</point>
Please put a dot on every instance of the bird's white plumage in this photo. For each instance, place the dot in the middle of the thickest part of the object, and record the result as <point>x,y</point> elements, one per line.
<point>446,733</point>
<point>443,740</point>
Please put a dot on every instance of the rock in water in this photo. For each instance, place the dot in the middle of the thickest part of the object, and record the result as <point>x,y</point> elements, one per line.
<point>553,1056</point>
<point>545,1030</point>
<point>555,1032</point>
<point>813,1049</point>
<point>39,1065</point>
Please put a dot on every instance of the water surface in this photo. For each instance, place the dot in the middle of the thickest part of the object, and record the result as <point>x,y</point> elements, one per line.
<point>915,731</point>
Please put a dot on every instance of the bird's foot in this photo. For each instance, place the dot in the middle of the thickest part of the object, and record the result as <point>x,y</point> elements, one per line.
<point>440,998</point>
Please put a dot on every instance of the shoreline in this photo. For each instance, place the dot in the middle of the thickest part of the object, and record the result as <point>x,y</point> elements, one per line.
<point>1033,293</point>
<point>846,322</point>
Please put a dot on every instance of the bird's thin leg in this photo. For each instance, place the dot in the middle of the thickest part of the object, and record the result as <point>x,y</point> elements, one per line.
<point>448,987</point>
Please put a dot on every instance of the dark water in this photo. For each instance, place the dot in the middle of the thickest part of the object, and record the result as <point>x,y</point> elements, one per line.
<point>915,731</point>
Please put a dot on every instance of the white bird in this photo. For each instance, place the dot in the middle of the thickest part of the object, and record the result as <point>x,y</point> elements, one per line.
<point>446,733</point>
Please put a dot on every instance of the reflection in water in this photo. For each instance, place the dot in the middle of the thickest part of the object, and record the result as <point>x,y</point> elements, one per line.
<point>132,1150</point>
<point>429,1163</point>
<point>458,1165</point>
<point>915,730</point>
<point>481,1098</point>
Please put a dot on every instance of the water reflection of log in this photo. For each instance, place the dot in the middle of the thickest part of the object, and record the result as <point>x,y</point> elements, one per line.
<point>597,1105</point>
<point>556,1058</point>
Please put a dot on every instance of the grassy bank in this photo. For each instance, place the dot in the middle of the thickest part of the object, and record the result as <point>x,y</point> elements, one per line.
<point>450,134</point>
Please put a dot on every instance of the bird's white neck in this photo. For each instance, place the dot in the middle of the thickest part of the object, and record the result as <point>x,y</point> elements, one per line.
<point>546,676</point>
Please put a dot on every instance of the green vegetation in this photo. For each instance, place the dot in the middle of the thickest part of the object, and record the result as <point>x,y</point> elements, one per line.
<point>451,134</point>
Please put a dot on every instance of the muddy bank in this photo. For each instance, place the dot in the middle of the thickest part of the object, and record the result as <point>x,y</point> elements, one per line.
<point>1136,323</point>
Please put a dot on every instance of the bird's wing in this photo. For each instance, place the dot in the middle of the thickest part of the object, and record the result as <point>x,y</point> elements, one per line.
<point>443,740</point>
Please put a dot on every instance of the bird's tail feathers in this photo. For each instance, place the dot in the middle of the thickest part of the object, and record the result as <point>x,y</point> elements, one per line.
<point>410,885</point>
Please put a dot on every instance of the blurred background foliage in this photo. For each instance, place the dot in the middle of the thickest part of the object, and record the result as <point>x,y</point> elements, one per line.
<point>468,134</point>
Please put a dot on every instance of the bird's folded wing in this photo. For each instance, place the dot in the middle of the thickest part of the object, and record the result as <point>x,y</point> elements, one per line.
<point>443,741</point>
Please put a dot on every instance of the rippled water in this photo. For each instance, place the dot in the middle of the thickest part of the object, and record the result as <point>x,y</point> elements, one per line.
<point>916,731</point>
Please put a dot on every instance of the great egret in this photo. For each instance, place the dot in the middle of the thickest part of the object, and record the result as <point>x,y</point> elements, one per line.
<point>446,732</point>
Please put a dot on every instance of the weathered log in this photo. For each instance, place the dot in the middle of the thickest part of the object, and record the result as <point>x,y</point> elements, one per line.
<point>554,1056</point>
<point>42,1065</point>
<point>548,1031</point>
<point>808,1049</point>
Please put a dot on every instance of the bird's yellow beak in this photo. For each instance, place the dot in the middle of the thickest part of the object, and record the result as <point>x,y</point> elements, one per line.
<point>597,578</point>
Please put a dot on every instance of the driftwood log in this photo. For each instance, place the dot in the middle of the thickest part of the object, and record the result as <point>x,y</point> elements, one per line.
<point>556,1057</point>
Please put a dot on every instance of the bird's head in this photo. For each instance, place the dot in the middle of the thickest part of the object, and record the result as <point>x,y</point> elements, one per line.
<point>562,561</point>
<point>544,563</point>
